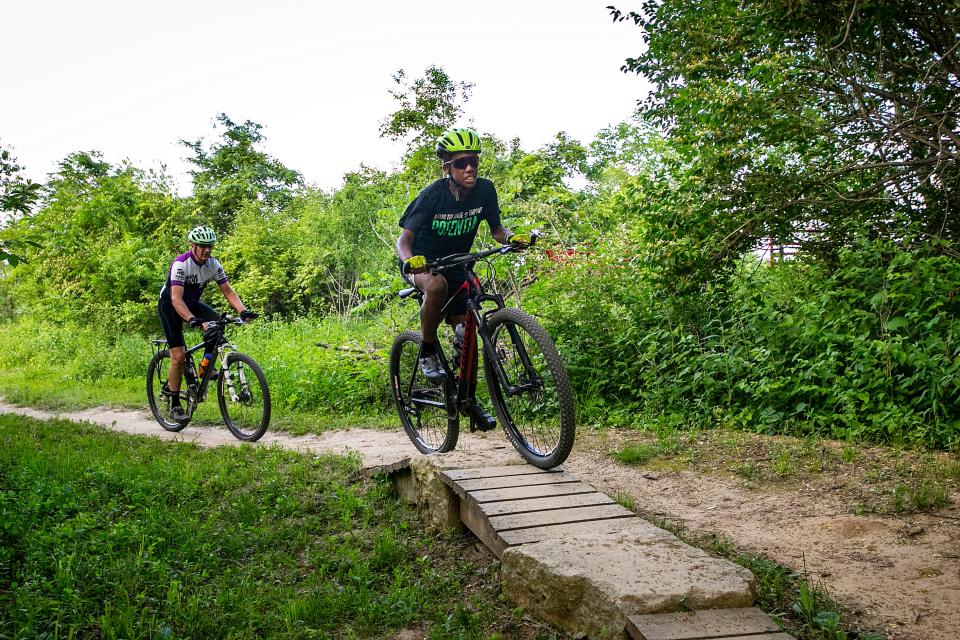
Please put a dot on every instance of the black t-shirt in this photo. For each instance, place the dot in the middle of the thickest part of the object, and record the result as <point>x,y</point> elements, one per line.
<point>443,226</point>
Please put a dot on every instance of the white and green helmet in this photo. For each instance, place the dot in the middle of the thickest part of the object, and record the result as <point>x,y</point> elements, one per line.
<point>202,235</point>
<point>456,140</point>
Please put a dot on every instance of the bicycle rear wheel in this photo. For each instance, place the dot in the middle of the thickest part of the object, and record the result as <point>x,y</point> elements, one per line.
<point>535,406</point>
<point>421,404</point>
<point>244,397</point>
<point>157,397</point>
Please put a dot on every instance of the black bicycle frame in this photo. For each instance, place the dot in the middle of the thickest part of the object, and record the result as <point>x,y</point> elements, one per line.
<point>205,378</point>
<point>476,327</point>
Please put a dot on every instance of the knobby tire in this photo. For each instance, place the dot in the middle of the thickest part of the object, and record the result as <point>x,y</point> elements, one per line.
<point>157,372</point>
<point>243,418</point>
<point>540,422</point>
<point>432,428</point>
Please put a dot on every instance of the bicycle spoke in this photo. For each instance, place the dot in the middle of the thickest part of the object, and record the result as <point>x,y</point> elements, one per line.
<point>244,397</point>
<point>158,399</point>
<point>533,396</point>
<point>421,404</point>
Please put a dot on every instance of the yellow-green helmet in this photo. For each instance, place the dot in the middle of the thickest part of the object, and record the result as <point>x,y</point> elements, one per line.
<point>202,235</point>
<point>456,140</point>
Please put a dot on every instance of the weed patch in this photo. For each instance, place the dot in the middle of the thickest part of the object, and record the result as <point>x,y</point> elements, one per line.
<point>108,535</point>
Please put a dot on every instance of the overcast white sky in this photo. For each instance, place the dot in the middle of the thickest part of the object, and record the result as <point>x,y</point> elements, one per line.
<point>131,78</point>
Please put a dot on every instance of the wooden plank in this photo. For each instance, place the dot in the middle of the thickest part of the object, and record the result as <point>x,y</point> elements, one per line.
<point>503,482</point>
<point>536,491</point>
<point>544,504</point>
<point>479,524</point>
<point>493,472</point>
<point>702,625</point>
<point>535,534</point>
<point>559,516</point>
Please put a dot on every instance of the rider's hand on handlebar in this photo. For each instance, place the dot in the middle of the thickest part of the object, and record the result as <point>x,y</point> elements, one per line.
<point>246,315</point>
<point>195,322</point>
<point>522,240</point>
<point>415,264</point>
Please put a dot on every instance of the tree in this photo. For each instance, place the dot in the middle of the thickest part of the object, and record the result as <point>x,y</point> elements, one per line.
<point>428,105</point>
<point>233,172</point>
<point>17,197</point>
<point>98,246</point>
<point>840,115</point>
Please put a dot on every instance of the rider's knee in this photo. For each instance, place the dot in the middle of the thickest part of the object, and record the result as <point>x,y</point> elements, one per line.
<point>178,356</point>
<point>435,286</point>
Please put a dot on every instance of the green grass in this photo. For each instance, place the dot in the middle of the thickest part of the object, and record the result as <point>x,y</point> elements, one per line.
<point>313,388</point>
<point>112,536</point>
<point>805,609</point>
<point>635,454</point>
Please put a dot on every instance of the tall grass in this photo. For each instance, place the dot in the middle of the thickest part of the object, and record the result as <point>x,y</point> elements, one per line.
<point>111,536</point>
<point>52,365</point>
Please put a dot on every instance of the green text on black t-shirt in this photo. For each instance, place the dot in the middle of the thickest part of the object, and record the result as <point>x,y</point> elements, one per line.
<point>442,225</point>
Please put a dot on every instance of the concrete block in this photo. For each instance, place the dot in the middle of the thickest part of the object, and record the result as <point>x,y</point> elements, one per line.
<point>590,584</point>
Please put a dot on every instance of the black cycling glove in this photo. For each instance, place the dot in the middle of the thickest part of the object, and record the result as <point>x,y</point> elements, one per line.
<point>246,314</point>
<point>194,322</point>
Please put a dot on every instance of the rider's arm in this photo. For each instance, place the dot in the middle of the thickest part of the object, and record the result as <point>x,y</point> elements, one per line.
<point>231,297</point>
<point>500,234</point>
<point>176,299</point>
<point>405,244</point>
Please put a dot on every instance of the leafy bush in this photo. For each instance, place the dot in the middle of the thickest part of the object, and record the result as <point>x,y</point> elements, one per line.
<point>867,349</point>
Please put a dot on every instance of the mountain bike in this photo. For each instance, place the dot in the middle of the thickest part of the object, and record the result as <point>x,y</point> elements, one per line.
<point>242,391</point>
<point>524,374</point>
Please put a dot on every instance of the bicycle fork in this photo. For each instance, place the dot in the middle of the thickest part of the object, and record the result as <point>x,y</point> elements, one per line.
<point>533,381</point>
<point>230,383</point>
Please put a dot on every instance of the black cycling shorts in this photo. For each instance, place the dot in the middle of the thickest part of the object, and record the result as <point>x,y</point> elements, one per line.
<point>172,323</point>
<point>455,278</point>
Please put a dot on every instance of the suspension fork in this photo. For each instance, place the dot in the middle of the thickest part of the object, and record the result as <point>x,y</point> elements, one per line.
<point>228,375</point>
<point>490,352</point>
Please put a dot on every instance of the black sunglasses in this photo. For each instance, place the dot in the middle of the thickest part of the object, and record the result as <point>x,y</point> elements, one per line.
<point>466,161</point>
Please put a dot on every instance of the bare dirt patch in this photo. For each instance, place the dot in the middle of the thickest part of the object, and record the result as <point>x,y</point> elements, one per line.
<point>878,528</point>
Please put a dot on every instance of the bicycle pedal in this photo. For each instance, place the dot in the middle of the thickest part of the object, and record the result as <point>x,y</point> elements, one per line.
<point>475,427</point>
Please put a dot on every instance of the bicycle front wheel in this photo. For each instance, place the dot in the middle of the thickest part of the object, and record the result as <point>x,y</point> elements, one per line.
<point>530,389</point>
<point>244,397</point>
<point>421,403</point>
<point>157,395</point>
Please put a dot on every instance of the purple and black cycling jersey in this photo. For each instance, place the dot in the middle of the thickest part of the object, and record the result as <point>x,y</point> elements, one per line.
<point>192,276</point>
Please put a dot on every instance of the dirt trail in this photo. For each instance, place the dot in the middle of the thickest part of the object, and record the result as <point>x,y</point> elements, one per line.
<point>900,575</point>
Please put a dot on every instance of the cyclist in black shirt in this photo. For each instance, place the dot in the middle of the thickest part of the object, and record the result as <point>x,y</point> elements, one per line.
<point>443,220</point>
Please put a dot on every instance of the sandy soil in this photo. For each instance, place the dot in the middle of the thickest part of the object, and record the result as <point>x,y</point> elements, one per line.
<point>899,575</point>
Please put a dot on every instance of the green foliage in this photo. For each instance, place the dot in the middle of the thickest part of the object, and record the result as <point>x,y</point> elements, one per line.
<point>233,173</point>
<point>635,454</point>
<point>427,105</point>
<point>866,351</point>
<point>837,116</point>
<point>17,197</point>
<point>99,247</point>
<point>47,363</point>
<point>645,278</point>
<point>115,536</point>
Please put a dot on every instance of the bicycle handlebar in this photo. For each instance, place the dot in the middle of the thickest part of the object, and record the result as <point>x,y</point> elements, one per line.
<point>227,319</point>
<point>456,259</point>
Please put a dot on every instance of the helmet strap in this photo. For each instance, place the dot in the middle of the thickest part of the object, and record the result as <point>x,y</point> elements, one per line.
<point>458,190</point>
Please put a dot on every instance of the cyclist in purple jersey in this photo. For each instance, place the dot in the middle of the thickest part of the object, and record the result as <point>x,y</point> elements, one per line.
<point>443,220</point>
<point>180,302</point>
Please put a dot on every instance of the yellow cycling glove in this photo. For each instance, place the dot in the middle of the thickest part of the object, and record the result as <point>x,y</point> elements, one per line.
<point>415,262</point>
<point>522,239</point>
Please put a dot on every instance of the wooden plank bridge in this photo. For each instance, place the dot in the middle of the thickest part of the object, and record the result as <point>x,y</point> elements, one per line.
<point>506,506</point>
